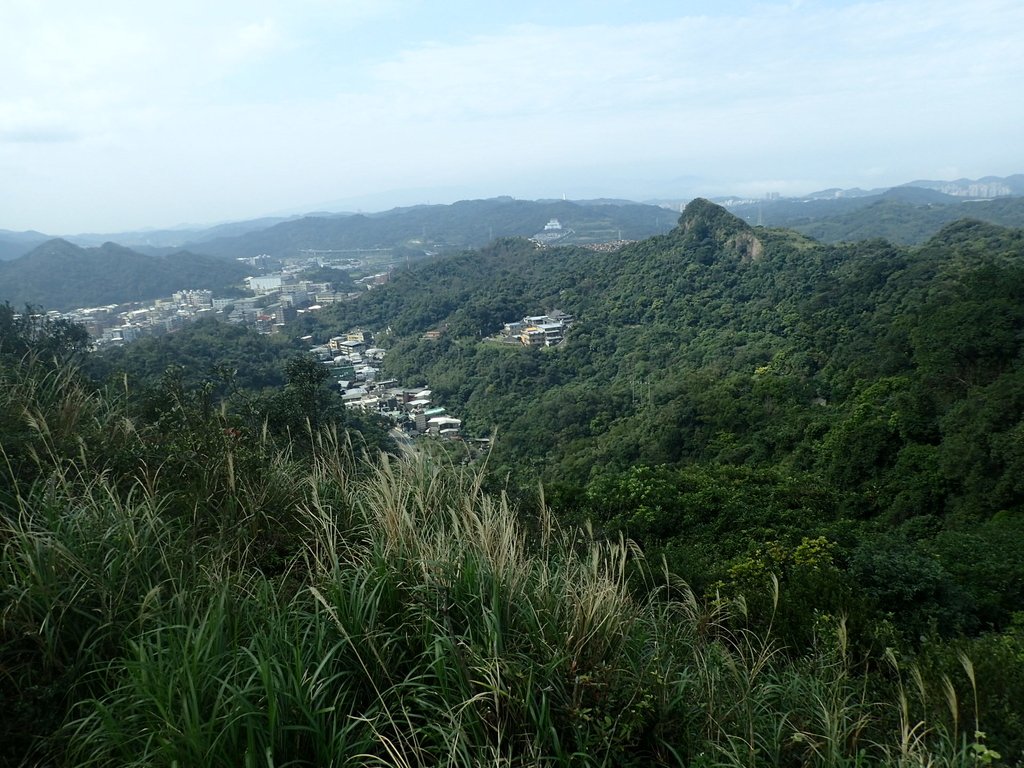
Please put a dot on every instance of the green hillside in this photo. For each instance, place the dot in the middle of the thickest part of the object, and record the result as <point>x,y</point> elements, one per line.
<point>470,223</point>
<point>903,215</point>
<point>693,315</point>
<point>59,275</point>
<point>908,223</point>
<point>15,244</point>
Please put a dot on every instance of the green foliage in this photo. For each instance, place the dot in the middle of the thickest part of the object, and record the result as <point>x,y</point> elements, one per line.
<point>47,410</point>
<point>30,332</point>
<point>304,404</point>
<point>911,588</point>
<point>987,698</point>
<point>206,349</point>
<point>728,393</point>
<point>894,373</point>
<point>338,278</point>
<point>416,622</point>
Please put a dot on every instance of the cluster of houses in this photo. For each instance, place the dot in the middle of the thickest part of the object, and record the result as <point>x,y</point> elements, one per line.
<point>289,289</point>
<point>116,324</point>
<point>276,298</point>
<point>274,303</point>
<point>355,364</point>
<point>538,330</point>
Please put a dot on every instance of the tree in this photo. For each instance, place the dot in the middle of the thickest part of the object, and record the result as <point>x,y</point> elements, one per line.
<point>304,405</point>
<point>44,336</point>
<point>306,379</point>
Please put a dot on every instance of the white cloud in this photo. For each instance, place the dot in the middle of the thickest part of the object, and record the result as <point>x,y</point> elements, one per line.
<point>872,49</point>
<point>247,106</point>
<point>251,41</point>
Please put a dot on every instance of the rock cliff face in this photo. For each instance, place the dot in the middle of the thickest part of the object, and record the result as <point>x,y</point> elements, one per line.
<point>747,245</point>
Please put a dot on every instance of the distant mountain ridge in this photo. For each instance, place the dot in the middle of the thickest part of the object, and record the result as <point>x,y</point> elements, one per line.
<point>15,244</point>
<point>465,224</point>
<point>906,214</point>
<point>472,223</point>
<point>61,275</point>
<point>907,223</point>
<point>177,237</point>
<point>985,187</point>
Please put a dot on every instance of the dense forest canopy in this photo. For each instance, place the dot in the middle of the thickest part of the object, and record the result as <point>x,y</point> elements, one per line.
<point>746,345</point>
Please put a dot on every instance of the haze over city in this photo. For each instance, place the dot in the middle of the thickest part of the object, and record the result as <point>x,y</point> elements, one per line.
<point>128,115</point>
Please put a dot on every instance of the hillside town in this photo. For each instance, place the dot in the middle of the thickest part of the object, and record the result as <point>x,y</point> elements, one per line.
<point>268,302</point>
<point>537,330</point>
<point>277,294</point>
<point>355,367</point>
<point>355,363</point>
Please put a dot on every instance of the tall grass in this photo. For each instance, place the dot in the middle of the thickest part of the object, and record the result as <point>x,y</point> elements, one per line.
<point>264,611</point>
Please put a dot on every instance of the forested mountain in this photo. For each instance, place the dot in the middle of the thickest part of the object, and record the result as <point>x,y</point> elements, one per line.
<point>469,223</point>
<point>714,313</point>
<point>15,244</point>
<point>723,343</point>
<point>986,186</point>
<point>728,392</point>
<point>179,237</point>
<point>905,222</point>
<point>59,275</point>
<point>905,215</point>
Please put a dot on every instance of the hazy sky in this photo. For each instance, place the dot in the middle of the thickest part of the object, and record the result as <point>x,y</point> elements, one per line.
<point>117,114</point>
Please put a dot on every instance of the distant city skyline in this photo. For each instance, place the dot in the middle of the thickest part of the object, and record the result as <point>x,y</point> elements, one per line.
<point>129,116</point>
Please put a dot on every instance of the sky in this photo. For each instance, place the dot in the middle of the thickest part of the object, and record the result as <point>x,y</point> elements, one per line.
<point>118,114</point>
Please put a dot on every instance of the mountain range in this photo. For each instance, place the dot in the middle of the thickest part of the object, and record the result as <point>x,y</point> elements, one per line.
<point>906,214</point>
<point>60,275</point>
<point>473,223</point>
<point>161,261</point>
<point>465,224</point>
<point>113,273</point>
